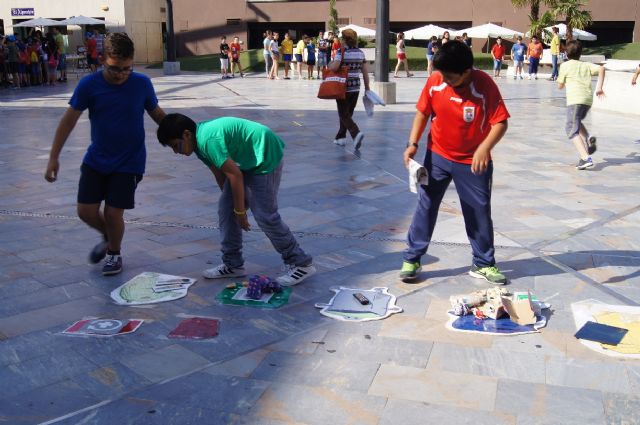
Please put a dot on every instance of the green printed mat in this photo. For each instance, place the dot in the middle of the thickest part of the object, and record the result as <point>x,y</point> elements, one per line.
<point>235,296</point>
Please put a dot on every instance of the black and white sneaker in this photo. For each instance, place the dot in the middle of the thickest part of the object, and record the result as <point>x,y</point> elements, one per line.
<point>583,164</point>
<point>591,145</point>
<point>222,271</point>
<point>295,274</point>
<point>112,265</point>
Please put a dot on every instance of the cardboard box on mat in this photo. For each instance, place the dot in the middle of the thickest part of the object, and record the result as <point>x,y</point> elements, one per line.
<point>520,308</point>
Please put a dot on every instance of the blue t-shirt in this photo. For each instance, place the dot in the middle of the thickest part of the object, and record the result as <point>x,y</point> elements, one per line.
<point>430,49</point>
<point>518,51</point>
<point>311,52</point>
<point>116,113</point>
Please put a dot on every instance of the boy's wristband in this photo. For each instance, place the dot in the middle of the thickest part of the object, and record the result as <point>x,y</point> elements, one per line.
<point>415,145</point>
<point>236,212</point>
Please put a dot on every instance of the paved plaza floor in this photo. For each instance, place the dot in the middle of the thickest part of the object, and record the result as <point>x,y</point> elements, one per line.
<point>567,235</point>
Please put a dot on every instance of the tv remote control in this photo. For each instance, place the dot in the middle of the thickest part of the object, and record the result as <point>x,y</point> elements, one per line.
<point>361,298</point>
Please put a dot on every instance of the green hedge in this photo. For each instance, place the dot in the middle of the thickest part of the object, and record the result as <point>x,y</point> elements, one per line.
<point>253,60</point>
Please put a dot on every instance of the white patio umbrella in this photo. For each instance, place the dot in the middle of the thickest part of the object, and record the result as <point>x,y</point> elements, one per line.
<point>38,22</point>
<point>487,31</point>
<point>577,34</point>
<point>361,31</point>
<point>82,20</point>
<point>424,33</point>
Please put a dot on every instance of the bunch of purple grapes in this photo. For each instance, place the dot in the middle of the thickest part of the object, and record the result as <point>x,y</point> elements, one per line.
<point>259,285</point>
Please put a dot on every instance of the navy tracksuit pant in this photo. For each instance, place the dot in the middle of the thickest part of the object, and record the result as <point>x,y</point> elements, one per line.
<point>475,198</point>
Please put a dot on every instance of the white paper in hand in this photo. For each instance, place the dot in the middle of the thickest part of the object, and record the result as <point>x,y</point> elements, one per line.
<point>417,175</point>
<point>377,100</point>
<point>368,106</point>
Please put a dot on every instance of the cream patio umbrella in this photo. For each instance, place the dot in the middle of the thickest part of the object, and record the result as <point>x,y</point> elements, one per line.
<point>424,33</point>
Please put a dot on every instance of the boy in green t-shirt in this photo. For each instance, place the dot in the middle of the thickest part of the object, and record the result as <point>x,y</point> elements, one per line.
<point>576,77</point>
<point>246,160</point>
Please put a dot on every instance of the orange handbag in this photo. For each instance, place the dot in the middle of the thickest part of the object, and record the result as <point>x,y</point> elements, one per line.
<point>334,84</point>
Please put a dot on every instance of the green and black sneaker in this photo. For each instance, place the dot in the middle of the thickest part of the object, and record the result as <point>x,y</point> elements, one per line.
<point>489,273</point>
<point>409,271</point>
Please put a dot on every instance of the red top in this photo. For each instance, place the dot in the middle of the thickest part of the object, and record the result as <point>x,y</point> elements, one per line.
<point>498,51</point>
<point>92,50</point>
<point>462,117</point>
<point>235,50</point>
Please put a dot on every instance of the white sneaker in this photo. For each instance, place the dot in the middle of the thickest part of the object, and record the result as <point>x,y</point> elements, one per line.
<point>358,141</point>
<point>223,271</point>
<point>340,142</point>
<point>295,274</point>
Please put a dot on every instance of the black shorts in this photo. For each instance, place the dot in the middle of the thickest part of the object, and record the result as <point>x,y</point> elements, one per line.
<point>116,189</point>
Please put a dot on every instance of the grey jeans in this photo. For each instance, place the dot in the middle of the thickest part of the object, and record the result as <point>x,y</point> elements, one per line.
<point>261,191</point>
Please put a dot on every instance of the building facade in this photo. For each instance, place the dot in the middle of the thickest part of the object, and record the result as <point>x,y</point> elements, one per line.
<point>143,20</point>
<point>199,24</point>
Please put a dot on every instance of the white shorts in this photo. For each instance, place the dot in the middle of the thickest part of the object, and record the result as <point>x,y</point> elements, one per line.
<point>224,63</point>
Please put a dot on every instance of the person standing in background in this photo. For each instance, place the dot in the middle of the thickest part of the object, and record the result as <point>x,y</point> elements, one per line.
<point>517,54</point>
<point>497,53</point>
<point>287,53</point>
<point>224,57</point>
<point>266,52</point>
<point>234,52</point>
<point>62,55</point>
<point>555,52</point>
<point>534,52</point>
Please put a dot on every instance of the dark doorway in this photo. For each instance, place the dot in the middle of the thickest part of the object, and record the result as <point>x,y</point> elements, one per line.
<point>611,32</point>
<point>255,30</point>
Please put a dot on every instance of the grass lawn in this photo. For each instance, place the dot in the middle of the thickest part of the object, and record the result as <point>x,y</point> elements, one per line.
<point>253,60</point>
<point>616,51</point>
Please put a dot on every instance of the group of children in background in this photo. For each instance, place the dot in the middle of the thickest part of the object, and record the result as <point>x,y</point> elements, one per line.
<point>312,52</point>
<point>40,60</point>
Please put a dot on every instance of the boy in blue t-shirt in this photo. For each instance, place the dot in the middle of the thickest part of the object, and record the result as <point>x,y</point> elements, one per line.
<point>517,54</point>
<point>114,163</point>
<point>311,56</point>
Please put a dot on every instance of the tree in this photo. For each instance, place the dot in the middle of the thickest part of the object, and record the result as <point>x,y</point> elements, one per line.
<point>573,14</point>
<point>333,17</point>
<point>534,14</point>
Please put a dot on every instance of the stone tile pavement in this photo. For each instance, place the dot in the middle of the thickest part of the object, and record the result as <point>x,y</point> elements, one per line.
<point>567,235</point>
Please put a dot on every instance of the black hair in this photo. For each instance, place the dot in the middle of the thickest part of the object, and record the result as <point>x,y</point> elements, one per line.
<point>173,126</point>
<point>454,56</point>
<point>118,45</point>
<point>574,49</point>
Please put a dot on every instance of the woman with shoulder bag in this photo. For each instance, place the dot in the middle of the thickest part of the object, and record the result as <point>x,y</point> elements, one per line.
<point>353,58</point>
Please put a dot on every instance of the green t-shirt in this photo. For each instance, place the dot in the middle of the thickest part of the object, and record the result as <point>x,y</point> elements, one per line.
<point>576,76</point>
<point>59,39</point>
<point>252,146</point>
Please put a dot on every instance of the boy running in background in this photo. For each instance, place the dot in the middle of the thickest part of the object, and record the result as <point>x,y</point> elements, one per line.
<point>468,118</point>
<point>234,54</point>
<point>224,57</point>
<point>114,163</point>
<point>576,77</point>
<point>245,158</point>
